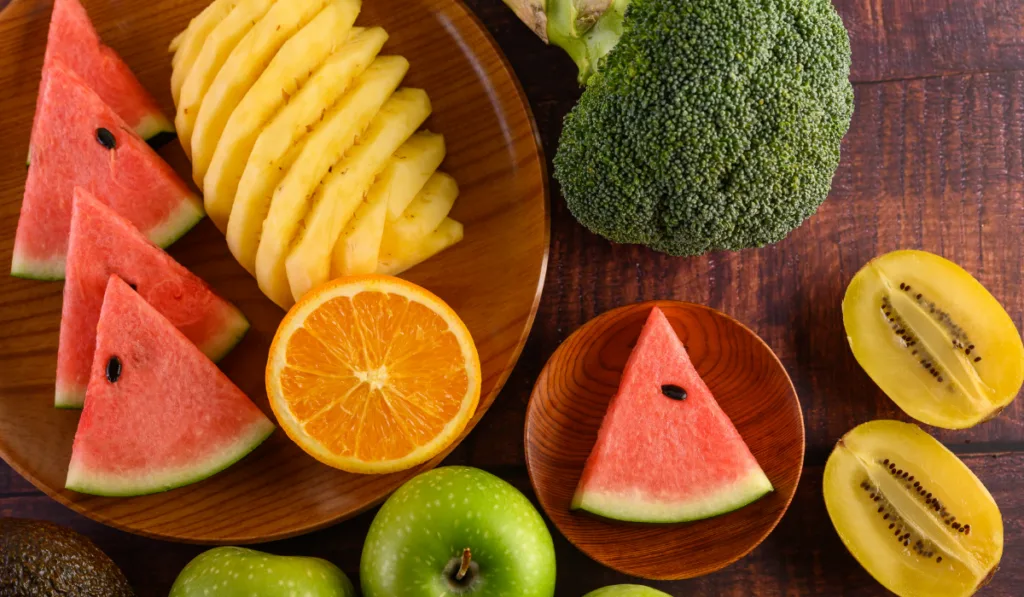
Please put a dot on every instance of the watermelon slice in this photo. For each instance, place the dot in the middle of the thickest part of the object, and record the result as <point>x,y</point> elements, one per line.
<point>158,413</point>
<point>73,41</point>
<point>665,459</point>
<point>71,142</point>
<point>103,243</point>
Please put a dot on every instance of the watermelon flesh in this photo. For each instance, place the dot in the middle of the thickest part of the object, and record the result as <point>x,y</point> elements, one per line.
<point>73,41</point>
<point>66,153</point>
<point>168,418</point>
<point>659,459</point>
<point>104,243</point>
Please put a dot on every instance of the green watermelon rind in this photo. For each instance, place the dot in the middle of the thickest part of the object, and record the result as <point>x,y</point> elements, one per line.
<point>222,344</point>
<point>218,347</point>
<point>82,482</point>
<point>156,130</point>
<point>177,225</point>
<point>633,509</point>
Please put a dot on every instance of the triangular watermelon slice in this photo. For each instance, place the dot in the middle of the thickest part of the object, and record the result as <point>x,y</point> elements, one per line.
<point>78,141</point>
<point>660,457</point>
<point>74,42</point>
<point>104,243</point>
<point>158,413</point>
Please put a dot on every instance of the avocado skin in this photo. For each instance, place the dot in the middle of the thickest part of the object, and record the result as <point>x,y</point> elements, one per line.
<point>41,559</point>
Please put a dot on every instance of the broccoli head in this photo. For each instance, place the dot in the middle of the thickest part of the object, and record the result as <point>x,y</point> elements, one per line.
<point>710,125</point>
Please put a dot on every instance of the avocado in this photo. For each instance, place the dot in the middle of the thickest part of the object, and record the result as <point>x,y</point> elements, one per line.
<point>41,559</point>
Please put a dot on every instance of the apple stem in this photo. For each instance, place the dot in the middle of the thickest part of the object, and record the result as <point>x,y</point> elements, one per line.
<point>467,556</point>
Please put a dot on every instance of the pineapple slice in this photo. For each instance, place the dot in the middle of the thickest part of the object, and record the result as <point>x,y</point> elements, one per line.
<point>423,215</point>
<point>245,64</point>
<point>288,71</point>
<point>187,45</point>
<point>416,161</point>
<point>216,48</point>
<point>309,261</point>
<point>328,142</point>
<point>407,171</point>
<point>358,248</point>
<point>447,234</point>
<point>283,139</point>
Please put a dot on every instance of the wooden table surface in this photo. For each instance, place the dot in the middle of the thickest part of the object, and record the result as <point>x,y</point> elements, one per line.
<point>934,160</point>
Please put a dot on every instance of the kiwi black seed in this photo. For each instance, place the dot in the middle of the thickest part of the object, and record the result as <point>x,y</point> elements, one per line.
<point>907,337</point>
<point>901,531</point>
<point>961,341</point>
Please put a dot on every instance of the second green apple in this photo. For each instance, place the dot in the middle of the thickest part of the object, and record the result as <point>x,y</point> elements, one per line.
<point>627,591</point>
<point>240,572</point>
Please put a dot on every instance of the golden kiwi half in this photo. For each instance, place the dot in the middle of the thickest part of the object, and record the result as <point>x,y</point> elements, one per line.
<point>911,512</point>
<point>933,338</point>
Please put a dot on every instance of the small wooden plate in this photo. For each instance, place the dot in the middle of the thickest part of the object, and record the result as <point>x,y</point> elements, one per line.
<point>493,279</point>
<point>571,397</point>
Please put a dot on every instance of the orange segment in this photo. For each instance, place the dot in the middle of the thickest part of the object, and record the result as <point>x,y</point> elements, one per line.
<point>373,374</point>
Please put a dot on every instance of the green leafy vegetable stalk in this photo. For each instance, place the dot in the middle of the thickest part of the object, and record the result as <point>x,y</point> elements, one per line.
<point>705,124</point>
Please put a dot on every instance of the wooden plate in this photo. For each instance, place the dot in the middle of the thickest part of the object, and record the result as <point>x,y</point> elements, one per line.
<point>569,402</point>
<point>493,279</point>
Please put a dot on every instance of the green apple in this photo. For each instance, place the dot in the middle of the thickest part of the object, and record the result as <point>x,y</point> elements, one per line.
<point>627,591</point>
<point>458,531</point>
<point>240,572</point>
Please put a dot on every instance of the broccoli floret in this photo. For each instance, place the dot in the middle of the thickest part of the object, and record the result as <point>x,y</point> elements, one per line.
<point>711,125</point>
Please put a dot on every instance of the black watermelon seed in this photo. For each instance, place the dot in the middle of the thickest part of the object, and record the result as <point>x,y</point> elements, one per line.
<point>673,392</point>
<point>134,287</point>
<point>113,369</point>
<point>106,138</point>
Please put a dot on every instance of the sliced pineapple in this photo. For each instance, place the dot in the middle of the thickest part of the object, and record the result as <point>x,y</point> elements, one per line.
<point>187,45</point>
<point>404,175</point>
<point>293,65</point>
<point>416,162</point>
<point>358,247</point>
<point>424,214</point>
<point>284,135</point>
<point>215,50</point>
<point>322,149</point>
<point>309,260</point>
<point>447,234</point>
<point>243,67</point>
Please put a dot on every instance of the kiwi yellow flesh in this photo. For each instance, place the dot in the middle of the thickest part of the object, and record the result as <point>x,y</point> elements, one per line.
<point>933,338</point>
<point>911,512</point>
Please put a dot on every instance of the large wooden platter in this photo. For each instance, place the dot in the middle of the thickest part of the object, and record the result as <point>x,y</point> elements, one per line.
<point>493,279</point>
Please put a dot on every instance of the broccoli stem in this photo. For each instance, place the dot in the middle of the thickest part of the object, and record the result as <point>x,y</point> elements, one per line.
<point>586,29</point>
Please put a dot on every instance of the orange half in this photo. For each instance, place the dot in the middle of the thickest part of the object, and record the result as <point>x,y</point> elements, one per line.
<point>373,374</point>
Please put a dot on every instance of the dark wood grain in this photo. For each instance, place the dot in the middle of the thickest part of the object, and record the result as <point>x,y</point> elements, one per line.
<point>491,151</point>
<point>571,398</point>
